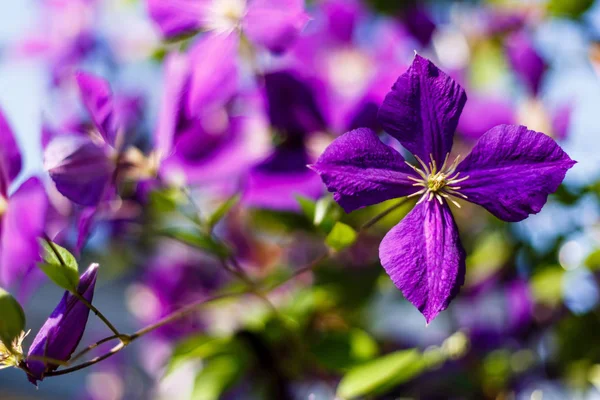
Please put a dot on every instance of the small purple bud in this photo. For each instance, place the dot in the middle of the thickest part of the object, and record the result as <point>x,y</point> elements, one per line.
<point>59,336</point>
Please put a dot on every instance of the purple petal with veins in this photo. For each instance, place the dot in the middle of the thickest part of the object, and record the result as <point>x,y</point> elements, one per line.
<point>512,170</point>
<point>424,257</point>
<point>423,109</point>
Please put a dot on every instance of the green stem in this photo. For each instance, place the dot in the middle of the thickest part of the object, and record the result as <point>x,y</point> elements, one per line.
<point>77,295</point>
<point>194,307</point>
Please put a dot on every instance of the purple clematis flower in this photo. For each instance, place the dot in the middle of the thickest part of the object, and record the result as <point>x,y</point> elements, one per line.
<point>273,24</point>
<point>510,172</point>
<point>59,336</point>
<point>22,214</point>
<point>525,60</point>
<point>82,166</point>
<point>293,112</point>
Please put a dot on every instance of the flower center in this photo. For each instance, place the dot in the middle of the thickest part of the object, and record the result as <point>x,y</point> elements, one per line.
<point>3,205</point>
<point>436,183</point>
<point>12,355</point>
<point>225,15</point>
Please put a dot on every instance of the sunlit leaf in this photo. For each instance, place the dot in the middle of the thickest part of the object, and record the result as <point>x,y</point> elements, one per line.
<point>569,8</point>
<point>339,351</point>
<point>547,285</point>
<point>60,266</point>
<point>219,374</point>
<point>341,236</point>
<point>223,210</point>
<point>308,206</point>
<point>197,348</point>
<point>381,375</point>
<point>492,251</point>
<point>196,239</point>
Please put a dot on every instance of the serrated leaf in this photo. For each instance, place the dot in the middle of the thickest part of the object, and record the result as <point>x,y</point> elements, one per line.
<point>381,375</point>
<point>341,236</point>
<point>196,239</point>
<point>12,318</point>
<point>60,266</point>
<point>223,210</point>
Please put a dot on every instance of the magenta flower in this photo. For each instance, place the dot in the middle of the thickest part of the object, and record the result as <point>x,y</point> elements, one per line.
<point>22,214</point>
<point>273,24</point>
<point>59,336</point>
<point>510,172</point>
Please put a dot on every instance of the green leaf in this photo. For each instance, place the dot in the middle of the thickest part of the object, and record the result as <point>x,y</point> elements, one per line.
<point>60,266</point>
<point>492,251</point>
<point>218,375</point>
<point>223,210</point>
<point>308,206</point>
<point>12,318</point>
<point>341,236</point>
<point>197,348</point>
<point>381,375</point>
<point>196,239</point>
<point>592,261</point>
<point>340,351</point>
<point>569,8</point>
<point>546,285</point>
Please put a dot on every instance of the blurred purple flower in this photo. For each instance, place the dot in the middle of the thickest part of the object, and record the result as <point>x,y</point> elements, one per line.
<point>66,36</point>
<point>170,284</point>
<point>349,78</point>
<point>22,214</point>
<point>200,141</point>
<point>293,112</point>
<point>525,60</point>
<point>342,18</point>
<point>82,166</point>
<point>419,24</point>
<point>59,336</point>
<point>510,172</point>
<point>273,24</point>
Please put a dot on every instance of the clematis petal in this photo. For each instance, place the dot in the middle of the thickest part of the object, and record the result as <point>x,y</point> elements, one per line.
<point>361,170</point>
<point>214,72</point>
<point>561,121</point>
<point>424,257</point>
<point>80,169</point>
<point>177,17</point>
<point>423,109</point>
<point>292,107</point>
<point>275,24</point>
<point>525,60</point>
<point>275,182</point>
<point>512,170</point>
<point>98,99</point>
<point>22,225</point>
<point>10,155</point>
<point>59,336</point>
<point>177,69</point>
<point>343,17</point>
